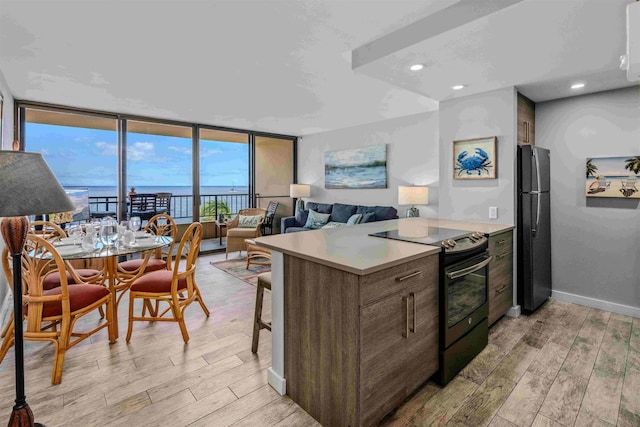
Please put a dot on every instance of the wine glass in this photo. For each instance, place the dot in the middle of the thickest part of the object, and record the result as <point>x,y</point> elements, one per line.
<point>75,232</point>
<point>108,231</point>
<point>134,225</point>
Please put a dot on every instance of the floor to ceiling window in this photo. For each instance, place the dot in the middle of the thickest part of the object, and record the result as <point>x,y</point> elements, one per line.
<point>206,171</point>
<point>81,150</point>
<point>159,161</point>
<point>224,173</point>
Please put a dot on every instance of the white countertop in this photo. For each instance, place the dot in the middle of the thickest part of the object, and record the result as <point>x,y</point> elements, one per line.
<point>351,249</point>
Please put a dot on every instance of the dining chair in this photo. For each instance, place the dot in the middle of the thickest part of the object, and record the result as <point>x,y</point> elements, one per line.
<point>237,232</point>
<point>51,315</point>
<point>269,217</point>
<point>175,287</point>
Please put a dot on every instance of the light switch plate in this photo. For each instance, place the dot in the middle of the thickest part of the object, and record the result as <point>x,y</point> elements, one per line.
<point>493,212</point>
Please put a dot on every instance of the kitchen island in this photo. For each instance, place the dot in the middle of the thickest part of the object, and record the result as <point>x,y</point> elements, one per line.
<point>355,317</point>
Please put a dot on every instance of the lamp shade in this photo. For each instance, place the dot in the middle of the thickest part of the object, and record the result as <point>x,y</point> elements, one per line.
<point>28,187</point>
<point>299,190</point>
<point>413,195</point>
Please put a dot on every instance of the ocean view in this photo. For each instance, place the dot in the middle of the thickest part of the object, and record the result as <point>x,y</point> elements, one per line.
<point>104,191</point>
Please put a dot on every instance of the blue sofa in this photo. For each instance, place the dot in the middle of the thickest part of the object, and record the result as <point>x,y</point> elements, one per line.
<point>339,213</point>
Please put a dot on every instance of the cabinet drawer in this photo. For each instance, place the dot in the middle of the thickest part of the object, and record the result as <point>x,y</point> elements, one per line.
<point>501,243</point>
<point>501,271</point>
<point>394,279</point>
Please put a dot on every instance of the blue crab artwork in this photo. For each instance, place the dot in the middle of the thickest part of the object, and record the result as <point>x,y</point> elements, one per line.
<point>477,163</point>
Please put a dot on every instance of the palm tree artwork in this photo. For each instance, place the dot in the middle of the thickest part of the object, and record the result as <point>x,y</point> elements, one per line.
<point>633,164</point>
<point>615,177</point>
<point>591,168</point>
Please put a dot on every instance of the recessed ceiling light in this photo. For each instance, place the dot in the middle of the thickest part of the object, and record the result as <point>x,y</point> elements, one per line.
<point>457,87</point>
<point>577,86</point>
<point>416,67</point>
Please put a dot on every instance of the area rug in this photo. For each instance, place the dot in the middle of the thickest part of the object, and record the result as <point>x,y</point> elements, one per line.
<point>237,268</point>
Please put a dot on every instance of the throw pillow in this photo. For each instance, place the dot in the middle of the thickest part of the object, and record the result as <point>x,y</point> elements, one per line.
<point>301,217</point>
<point>368,217</point>
<point>316,220</point>
<point>354,219</point>
<point>250,221</point>
<point>341,212</point>
<point>333,224</point>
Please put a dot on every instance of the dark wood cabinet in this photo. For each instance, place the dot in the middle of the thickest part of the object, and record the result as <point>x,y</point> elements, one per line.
<point>500,275</point>
<point>526,120</point>
<point>357,346</point>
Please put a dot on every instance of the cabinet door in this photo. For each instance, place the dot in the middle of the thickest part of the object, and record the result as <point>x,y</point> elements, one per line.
<point>526,121</point>
<point>383,325</point>
<point>422,342</point>
<point>500,275</point>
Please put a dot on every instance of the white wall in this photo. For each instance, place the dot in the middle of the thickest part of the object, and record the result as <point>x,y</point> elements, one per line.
<point>7,139</point>
<point>412,158</point>
<point>595,243</point>
<point>477,116</point>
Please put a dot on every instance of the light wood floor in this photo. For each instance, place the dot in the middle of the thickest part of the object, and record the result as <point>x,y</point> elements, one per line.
<point>565,365</point>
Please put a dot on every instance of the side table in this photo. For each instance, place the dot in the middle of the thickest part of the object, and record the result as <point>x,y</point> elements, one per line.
<point>254,251</point>
<point>219,227</point>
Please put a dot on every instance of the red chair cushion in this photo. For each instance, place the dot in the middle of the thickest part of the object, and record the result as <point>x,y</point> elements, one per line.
<point>157,281</point>
<point>53,280</point>
<point>79,297</point>
<point>154,264</point>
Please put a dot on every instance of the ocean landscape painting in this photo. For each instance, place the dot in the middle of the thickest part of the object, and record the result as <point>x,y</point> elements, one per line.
<point>613,177</point>
<point>356,168</point>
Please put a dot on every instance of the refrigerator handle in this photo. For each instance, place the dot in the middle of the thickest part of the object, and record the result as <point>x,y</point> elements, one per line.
<point>537,193</point>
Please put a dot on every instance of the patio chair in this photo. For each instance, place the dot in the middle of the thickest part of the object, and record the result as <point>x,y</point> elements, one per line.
<point>237,232</point>
<point>269,218</point>
<point>163,203</point>
<point>142,205</point>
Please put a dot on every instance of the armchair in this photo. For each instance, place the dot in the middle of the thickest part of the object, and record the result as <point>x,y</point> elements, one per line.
<point>236,234</point>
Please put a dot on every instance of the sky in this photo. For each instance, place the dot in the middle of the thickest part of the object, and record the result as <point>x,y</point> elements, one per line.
<point>612,166</point>
<point>88,157</point>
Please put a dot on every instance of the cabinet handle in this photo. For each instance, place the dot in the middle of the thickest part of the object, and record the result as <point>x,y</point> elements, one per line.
<point>408,276</point>
<point>501,242</point>
<point>406,323</point>
<point>501,255</point>
<point>413,295</point>
<point>502,289</point>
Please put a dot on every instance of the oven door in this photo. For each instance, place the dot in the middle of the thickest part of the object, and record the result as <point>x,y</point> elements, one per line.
<point>466,296</point>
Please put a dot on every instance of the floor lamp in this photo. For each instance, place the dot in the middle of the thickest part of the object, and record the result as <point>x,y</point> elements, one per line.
<point>28,188</point>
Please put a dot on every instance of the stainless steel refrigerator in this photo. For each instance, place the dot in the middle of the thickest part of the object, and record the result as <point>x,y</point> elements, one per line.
<point>534,227</point>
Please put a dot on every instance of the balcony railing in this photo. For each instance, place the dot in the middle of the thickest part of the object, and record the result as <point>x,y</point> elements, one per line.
<point>182,205</point>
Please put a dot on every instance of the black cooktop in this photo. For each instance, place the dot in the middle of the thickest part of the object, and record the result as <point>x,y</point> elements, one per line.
<point>423,235</point>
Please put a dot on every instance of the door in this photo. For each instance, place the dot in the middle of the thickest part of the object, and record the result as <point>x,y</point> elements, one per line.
<point>540,251</point>
<point>422,340</point>
<point>383,358</point>
<point>540,180</point>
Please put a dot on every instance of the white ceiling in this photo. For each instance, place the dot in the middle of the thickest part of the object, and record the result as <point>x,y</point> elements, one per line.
<point>284,66</point>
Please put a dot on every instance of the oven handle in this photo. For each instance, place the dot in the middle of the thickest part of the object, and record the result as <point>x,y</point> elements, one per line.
<point>469,270</point>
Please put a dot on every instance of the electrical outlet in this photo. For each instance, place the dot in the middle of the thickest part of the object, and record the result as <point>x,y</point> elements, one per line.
<point>493,212</point>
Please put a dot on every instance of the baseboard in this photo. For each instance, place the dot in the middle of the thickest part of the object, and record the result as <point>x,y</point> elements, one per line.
<point>514,311</point>
<point>278,383</point>
<point>613,307</point>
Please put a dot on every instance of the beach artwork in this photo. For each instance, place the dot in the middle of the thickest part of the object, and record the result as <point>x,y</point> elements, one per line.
<point>356,168</point>
<point>475,158</point>
<point>613,177</point>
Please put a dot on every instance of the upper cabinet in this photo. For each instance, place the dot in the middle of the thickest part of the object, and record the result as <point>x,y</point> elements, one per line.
<point>526,120</point>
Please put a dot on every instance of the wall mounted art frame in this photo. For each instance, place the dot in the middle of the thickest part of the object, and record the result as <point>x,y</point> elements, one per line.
<point>475,158</point>
<point>356,168</point>
<point>613,177</point>
<point>1,112</point>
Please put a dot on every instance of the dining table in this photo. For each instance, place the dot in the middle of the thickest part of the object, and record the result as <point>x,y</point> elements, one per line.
<point>116,279</point>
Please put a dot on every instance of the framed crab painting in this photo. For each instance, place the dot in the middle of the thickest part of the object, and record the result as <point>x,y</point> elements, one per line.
<point>475,158</point>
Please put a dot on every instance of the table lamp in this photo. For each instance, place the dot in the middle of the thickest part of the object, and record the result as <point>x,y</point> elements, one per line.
<point>28,188</point>
<point>299,191</point>
<point>413,196</point>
